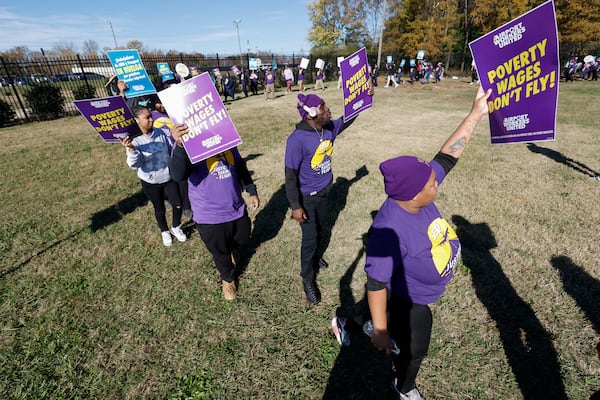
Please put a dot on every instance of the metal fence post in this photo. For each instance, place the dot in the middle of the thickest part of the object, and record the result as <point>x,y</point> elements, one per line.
<point>87,84</point>
<point>14,89</point>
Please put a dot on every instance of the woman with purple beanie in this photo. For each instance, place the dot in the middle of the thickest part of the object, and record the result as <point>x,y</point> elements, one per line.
<point>412,252</point>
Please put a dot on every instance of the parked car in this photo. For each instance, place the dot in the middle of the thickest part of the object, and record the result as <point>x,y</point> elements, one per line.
<point>60,77</point>
<point>20,81</point>
<point>38,78</point>
<point>88,75</point>
<point>3,81</point>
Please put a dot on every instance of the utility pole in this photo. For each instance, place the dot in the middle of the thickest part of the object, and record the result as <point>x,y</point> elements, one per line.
<point>381,32</point>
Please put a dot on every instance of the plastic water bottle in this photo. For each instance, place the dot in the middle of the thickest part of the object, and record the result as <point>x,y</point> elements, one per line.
<point>368,330</point>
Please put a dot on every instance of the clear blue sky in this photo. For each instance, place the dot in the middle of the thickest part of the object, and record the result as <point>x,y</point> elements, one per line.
<point>205,26</point>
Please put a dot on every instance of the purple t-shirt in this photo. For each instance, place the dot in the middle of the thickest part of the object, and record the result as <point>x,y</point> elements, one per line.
<point>415,254</point>
<point>214,189</point>
<point>309,152</point>
<point>269,78</point>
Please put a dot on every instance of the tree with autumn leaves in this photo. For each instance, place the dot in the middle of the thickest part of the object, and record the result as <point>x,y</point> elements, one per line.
<point>443,28</point>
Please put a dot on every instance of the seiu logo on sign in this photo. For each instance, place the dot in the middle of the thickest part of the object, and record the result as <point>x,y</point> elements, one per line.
<point>189,89</point>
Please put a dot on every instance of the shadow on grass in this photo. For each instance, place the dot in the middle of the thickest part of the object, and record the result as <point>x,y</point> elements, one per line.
<point>266,226</point>
<point>115,213</point>
<point>527,345</point>
<point>269,219</point>
<point>360,371</point>
<point>251,157</point>
<point>562,159</point>
<point>39,253</point>
<point>99,220</point>
<point>585,290</point>
<point>336,202</point>
<point>582,287</point>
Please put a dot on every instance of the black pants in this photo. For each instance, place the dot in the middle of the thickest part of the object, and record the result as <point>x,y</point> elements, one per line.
<point>222,239</point>
<point>254,87</point>
<point>183,194</point>
<point>410,326</point>
<point>156,194</point>
<point>316,212</point>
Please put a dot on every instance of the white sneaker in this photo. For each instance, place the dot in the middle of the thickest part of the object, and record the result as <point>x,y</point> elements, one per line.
<point>178,233</point>
<point>413,394</point>
<point>166,238</point>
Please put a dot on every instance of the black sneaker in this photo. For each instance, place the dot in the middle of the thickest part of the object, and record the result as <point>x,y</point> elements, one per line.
<point>323,264</point>
<point>312,292</point>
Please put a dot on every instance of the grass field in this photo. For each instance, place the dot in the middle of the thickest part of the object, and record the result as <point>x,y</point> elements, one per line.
<point>94,307</point>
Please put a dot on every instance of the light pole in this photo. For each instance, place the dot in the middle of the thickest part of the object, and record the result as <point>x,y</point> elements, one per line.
<point>113,33</point>
<point>237,28</point>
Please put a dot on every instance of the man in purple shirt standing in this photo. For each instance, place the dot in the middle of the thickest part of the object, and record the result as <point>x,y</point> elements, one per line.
<point>269,84</point>
<point>308,180</point>
<point>412,252</point>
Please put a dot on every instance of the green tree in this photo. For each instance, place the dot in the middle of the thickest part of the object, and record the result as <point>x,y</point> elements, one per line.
<point>490,14</point>
<point>373,18</point>
<point>420,25</point>
<point>336,24</point>
<point>16,53</point>
<point>578,25</point>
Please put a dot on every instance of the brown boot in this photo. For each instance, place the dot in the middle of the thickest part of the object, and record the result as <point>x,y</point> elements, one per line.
<point>229,290</point>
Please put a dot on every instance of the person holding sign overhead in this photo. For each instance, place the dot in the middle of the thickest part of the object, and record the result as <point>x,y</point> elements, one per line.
<point>149,154</point>
<point>219,211</point>
<point>308,180</point>
<point>412,252</point>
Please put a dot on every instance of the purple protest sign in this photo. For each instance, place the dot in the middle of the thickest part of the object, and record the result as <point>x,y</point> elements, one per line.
<point>196,103</point>
<point>110,117</point>
<point>355,84</point>
<point>519,62</point>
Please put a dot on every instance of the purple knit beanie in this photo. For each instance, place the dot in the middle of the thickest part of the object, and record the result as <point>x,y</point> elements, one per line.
<point>311,100</point>
<point>405,176</point>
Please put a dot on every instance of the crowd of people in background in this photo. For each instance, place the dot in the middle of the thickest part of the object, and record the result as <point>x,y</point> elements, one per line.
<point>420,71</point>
<point>267,79</point>
<point>578,70</point>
